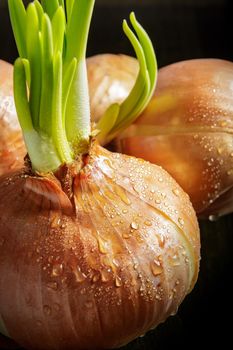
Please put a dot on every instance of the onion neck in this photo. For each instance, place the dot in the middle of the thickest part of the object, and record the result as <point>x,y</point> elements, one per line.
<point>50,79</point>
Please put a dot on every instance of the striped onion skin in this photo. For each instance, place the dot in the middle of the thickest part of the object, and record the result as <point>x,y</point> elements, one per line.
<point>96,255</point>
<point>12,149</point>
<point>187,128</point>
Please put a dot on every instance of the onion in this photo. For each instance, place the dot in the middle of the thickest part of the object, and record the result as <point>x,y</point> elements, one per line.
<point>187,128</point>
<point>96,248</point>
<point>99,254</point>
<point>12,149</point>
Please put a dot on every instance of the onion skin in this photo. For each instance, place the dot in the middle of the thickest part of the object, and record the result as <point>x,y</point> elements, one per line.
<point>110,77</point>
<point>94,257</point>
<point>187,128</point>
<point>12,149</point>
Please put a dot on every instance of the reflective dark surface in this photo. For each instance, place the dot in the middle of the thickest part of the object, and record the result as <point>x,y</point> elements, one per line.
<point>180,29</point>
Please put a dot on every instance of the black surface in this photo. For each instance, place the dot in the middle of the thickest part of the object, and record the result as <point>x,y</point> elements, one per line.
<point>180,30</point>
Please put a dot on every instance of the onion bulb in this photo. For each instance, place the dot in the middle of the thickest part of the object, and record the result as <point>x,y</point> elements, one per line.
<point>188,129</point>
<point>12,149</point>
<point>96,248</point>
<point>95,255</point>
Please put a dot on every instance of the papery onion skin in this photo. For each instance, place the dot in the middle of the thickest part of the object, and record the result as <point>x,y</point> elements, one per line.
<point>187,128</point>
<point>96,256</point>
<point>192,117</point>
<point>12,149</point>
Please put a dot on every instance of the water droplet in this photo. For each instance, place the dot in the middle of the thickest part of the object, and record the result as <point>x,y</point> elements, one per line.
<point>47,310</point>
<point>158,201</point>
<point>126,235</point>
<point>124,211</point>
<point>148,223</point>
<point>57,270</point>
<point>118,281</point>
<point>230,172</point>
<point>161,240</point>
<point>95,278</point>
<point>156,267</point>
<point>103,245</point>
<point>50,259</point>
<point>52,285</point>
<point>134,225</point>
<point>231,154</point>
<point>105,276</point>
<point>115,262</point>
<point>176,192</point>
<point>160,179</point>
<point>55,221</point>
<point>80,276</point>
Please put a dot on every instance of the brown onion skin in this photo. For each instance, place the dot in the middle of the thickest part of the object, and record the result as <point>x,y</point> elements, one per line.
<point>97,255</point>
<point>187,128</point>
<point>12,149</point>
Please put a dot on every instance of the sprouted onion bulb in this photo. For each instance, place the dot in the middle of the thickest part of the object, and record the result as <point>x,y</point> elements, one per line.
<point>187,128</point>
<point>96,248</point>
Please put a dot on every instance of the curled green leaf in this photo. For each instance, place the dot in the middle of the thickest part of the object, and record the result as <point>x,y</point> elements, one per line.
<point>144,85</point>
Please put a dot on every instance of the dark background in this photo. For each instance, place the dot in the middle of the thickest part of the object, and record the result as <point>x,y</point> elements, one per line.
<point>179,29</point>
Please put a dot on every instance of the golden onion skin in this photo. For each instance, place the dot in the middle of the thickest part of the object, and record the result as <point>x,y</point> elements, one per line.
<point>111,78</point>
<point>187,128</point>
<point>97,255</point>
<point>12,149</point>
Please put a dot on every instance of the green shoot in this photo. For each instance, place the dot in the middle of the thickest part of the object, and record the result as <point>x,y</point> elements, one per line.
<point>142,90</point>
<point>50,80</point>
